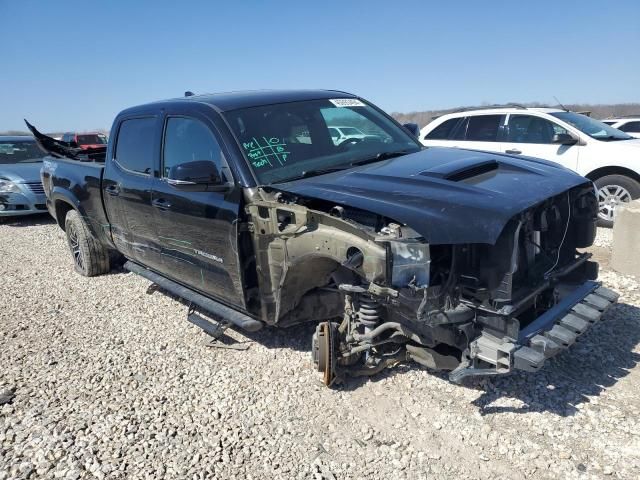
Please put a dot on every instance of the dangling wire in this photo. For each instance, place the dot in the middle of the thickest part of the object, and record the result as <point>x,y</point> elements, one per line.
<point>563,237</point>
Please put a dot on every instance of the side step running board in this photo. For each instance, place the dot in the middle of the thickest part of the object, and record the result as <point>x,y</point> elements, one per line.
<point>216,310</point>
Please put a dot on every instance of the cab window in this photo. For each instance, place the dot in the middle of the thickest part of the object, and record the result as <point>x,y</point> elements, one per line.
<point>188,140</point>
<point>135,143</point>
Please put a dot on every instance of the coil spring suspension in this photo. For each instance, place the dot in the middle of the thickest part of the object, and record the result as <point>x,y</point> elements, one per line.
<point>369,312</point>
<point>369,317</point>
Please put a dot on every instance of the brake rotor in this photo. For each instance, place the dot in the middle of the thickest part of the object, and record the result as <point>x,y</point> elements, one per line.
<point>323,351</point>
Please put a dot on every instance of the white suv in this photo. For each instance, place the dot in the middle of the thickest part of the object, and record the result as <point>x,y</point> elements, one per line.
<point>630,124</point>
<point>340,134</point>
<point>607,156</point>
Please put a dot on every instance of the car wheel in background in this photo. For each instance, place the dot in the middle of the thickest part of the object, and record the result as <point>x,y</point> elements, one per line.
<point>614,190</point>
<point>90,258</point>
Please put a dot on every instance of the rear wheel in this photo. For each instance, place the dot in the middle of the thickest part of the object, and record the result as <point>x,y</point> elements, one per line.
<point>90,258</point>
<point>614,190</point>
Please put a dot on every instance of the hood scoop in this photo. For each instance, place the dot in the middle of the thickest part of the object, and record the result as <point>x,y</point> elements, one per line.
<point>462,169</point>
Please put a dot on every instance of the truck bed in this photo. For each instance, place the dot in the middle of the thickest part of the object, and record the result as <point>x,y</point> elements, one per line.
<point>70,182</point>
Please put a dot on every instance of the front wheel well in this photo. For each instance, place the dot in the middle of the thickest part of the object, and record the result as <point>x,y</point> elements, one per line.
<point>604,171</point>
<point>62,208</point>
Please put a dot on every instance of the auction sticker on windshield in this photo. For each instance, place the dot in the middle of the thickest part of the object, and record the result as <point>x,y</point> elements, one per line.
<point>347,102</point>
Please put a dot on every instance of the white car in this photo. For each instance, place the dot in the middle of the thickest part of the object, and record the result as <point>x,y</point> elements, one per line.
<point>630,124</point>
<point>607,156</point>
<point>339,134</point>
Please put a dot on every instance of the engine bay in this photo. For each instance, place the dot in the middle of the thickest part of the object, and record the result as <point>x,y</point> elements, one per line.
<point>390,296</point>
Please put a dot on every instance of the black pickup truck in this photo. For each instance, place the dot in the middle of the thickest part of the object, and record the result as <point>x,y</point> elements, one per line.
<point>245,206</point>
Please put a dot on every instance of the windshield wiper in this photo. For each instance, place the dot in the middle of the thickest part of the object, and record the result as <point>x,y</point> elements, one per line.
<point>382,156</point>
<point>321,171</point>
<point>313,173</point>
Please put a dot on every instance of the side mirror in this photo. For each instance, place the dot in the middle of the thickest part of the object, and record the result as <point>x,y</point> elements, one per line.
<point>197,176</point>
<point>564,139</point>
<point>413,129</point>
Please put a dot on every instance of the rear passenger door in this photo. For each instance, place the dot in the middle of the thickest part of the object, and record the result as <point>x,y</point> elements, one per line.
<point>480,132</point>
<point>126,188</point>
<point>532,136</point>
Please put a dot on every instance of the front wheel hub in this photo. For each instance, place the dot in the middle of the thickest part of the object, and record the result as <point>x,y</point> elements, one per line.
<point>323,351</point>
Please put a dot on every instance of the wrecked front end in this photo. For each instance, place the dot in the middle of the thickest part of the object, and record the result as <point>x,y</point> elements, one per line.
<point>383,295</point>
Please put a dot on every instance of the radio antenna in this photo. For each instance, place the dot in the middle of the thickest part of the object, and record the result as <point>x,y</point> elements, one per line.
<point>561,105</point>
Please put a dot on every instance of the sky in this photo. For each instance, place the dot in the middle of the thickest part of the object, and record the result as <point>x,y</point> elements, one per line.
<point>73,65</point>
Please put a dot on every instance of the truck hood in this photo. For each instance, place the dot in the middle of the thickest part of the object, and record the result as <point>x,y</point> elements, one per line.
<point>21,172</point>
<point>449,196</point>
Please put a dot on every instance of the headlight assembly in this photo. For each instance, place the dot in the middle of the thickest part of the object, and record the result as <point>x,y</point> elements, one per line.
<point>7,186</point>
<point>410,260</point>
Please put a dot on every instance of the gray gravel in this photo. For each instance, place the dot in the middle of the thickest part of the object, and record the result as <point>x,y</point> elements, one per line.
<point>604,238</point>
<point>100,380</point>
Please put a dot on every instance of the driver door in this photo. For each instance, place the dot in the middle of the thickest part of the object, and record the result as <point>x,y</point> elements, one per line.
<point>197,230</point>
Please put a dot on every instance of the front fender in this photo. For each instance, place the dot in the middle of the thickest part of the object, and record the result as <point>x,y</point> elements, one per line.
<point>297,249</point>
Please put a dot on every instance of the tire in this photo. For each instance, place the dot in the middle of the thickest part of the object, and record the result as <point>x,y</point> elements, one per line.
<point>90,258</point>
<point>612,191</point>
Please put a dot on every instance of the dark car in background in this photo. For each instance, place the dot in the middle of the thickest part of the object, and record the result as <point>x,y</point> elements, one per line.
<point>21,190</point>
<point>86,140</point>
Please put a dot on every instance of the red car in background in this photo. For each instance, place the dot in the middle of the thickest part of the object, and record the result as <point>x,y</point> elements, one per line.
<point>86,140</point>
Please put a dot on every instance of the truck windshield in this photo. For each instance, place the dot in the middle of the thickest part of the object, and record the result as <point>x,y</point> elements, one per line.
<point>19,151</point>
<point>91,139</point>
<point>593,128</point>
<point>291,140</point>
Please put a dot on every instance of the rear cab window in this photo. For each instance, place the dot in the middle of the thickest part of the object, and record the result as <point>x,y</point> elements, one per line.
<point>92,139</point>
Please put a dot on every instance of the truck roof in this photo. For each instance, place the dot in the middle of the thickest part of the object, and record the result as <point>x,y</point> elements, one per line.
<point>253,98</point>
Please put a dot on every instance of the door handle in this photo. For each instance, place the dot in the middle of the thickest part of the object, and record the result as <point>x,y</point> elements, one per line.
<point>113,190</point>
<point>513,151</point>
<point>161,204</point>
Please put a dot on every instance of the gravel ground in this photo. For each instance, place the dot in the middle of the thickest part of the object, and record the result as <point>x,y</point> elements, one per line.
<point>99,379</point>
<point>604,238</point>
